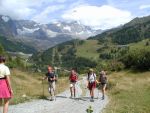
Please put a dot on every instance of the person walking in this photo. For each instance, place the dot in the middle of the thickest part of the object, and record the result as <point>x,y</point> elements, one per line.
<point>91,82</point>
<point>51,80</point>
<point>73,80</point>
<point>6,91</point>
<point>103,81</point>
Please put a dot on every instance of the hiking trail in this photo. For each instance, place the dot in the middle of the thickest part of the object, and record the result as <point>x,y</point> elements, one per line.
<point>63,103</point>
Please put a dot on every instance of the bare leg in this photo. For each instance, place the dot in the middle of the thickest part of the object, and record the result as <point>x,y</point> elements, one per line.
<point>1,104</point>
<point>74,92</point>
<point>71,91</point>
<point>92,92</point>
<point>103,91</point>
<point>6,103</point>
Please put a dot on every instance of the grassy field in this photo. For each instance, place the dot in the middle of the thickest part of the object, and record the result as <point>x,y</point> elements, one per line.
<point>27,86</point>
<point>140,45</point>
<point>130,92</point>
<point>88,49</point>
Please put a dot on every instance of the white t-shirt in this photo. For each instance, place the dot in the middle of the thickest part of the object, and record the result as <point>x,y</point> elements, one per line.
<point>4,70</point>
<point>91,77</point>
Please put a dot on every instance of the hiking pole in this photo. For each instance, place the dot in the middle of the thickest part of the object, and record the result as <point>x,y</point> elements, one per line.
<point>43,87</point>
<point>54,90</point>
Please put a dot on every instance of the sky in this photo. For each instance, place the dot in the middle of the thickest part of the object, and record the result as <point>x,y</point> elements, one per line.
<point>99,14</point>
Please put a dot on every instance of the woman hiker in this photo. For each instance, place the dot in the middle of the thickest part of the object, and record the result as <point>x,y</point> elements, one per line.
<point>73,79</point>
<point>103,81</point>
<point>91,82</point>
<point>6,91</point>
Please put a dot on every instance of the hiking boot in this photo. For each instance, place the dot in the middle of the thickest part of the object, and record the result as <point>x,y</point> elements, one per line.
<point>103,97</point>
<point>71,97</point>
<point>51,99</point>
<point>92,99</point>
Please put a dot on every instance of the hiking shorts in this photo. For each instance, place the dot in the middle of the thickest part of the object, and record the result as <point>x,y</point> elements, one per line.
<point>92,85</point>
<point>103,85</point>
<point>73,84</point>
<point>52,85</point>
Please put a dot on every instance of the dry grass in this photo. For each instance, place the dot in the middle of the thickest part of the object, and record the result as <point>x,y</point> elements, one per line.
<point>27,86</point>
<point>130,92</point>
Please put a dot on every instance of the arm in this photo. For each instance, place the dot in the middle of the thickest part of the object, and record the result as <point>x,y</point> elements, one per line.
<point>45,77</point>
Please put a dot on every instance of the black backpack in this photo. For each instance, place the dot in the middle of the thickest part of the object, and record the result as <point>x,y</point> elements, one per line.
<point>103,79</point>
<point>50,75</point>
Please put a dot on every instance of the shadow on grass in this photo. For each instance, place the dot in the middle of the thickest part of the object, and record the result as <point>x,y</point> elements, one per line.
<point>43,97</point>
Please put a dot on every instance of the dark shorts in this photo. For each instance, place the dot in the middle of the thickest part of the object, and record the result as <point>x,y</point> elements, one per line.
<point>92,85</point>
<point>103,84</point>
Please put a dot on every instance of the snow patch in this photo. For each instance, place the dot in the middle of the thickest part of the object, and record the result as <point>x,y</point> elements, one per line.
<point>51,33</point>
<point>58,24</point>
<point>26,30</point>
<point>67,28</point>
<point>80,33</point>
<point>5,18</point>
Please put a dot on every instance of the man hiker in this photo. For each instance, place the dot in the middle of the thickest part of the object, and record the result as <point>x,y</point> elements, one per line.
<point>73,79</point>
<point>91,82</point>
<point>103,80</point>
<point>51,80</point>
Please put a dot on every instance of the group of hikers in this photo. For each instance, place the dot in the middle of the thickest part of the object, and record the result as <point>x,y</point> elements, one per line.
<point>73,78</point>
<point>6,92</point>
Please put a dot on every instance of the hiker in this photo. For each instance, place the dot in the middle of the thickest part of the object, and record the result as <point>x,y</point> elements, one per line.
<point>51,80</point>
<point>6,91</point>
<point>73,79</point>
<point>91,82</point>
<point>103,82</point>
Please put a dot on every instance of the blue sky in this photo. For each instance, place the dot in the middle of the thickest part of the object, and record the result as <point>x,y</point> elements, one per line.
<point>99,14</point>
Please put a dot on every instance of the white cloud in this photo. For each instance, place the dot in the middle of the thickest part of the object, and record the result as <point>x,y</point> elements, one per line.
<point>44,16</point>
<point>24,9</point>
<point>144,6</point>
<point>103,17</point>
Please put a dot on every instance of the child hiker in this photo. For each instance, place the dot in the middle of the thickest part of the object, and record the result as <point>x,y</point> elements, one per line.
<point>91,82</point>
<point>103,81</point>
<point>73,79</point>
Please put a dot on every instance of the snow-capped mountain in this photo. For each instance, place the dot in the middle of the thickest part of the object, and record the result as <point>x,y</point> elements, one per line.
<point>43,36</point>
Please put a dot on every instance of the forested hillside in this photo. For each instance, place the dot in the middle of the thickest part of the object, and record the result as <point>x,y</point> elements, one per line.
<point>134,31</point>
<point>114,49</point>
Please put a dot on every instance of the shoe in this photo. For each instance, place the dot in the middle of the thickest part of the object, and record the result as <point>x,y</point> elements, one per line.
<point>103,97</point>
<point>92,99</point>
<point>51,99</point>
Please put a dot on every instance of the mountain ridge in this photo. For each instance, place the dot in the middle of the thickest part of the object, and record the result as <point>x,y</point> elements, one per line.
<point>48,35</point>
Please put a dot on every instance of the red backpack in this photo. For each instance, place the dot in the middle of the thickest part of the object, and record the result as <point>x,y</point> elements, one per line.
<point>73,77</point>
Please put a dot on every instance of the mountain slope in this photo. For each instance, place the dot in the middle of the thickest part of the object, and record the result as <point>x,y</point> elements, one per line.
<point>43,36</point>
<point>12,46</point>
<point>105,49</point>
<point>136,30</point>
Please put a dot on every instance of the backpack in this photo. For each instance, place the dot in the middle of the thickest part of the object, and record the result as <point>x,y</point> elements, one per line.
<point>50,75</point>
<point>92,74</point>
<point>73,77</point>
<point>103,79</point>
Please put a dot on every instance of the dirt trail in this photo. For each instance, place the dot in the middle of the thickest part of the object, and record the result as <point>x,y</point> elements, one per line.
<point>63,103</point>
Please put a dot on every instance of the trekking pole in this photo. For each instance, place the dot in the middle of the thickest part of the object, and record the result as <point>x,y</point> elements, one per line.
<point>43,87</point>
<point>55,92</point>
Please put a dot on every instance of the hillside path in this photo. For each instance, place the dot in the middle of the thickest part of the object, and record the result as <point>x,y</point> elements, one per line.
<point>63,103</point>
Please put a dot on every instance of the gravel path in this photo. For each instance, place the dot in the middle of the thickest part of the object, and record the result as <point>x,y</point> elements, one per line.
<point>63,103</point>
